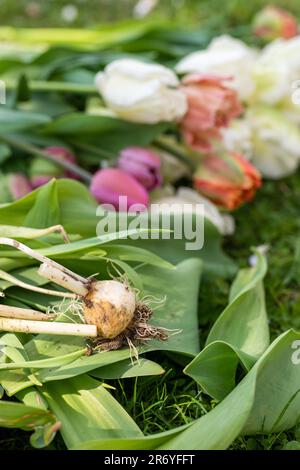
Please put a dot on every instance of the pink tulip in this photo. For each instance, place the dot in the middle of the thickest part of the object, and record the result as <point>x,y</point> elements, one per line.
<point>18,185</point>
<point>43,171</point>
<point>211,106</point>
<point>273,22</point>
<point>143,165</point>
<point>39,180</point>
<point>109,184</point>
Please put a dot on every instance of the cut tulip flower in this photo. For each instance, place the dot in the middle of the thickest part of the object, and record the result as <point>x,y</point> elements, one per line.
<point>211,106</point>
<point>143,165</point>
<point>228,180</point>
<point>141,92</point>
<point>109,184</point>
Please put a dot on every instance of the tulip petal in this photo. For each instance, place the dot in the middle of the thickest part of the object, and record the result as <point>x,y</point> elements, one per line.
<point>109,184</point>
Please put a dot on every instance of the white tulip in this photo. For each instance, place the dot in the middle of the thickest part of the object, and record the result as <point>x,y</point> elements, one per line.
<point>275,71</point>
<point>275,142</point>
<point>272,82</point>
<point>141,92</point>
<point>223,222</point>
<point>225,56</point>
<point>285,52</point>
<point>237,137</point>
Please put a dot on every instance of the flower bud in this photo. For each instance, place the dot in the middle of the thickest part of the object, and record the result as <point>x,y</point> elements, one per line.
<point>143,165</point>
<point>109,184</point>
<point>273,22</point>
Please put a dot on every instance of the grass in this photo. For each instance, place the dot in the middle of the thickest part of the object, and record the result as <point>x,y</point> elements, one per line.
<point>38,13</point>
<point>162,403</point>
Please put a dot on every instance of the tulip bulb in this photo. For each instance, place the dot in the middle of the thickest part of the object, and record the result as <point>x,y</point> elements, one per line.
<point>110,305</point>
<point>110,308</point>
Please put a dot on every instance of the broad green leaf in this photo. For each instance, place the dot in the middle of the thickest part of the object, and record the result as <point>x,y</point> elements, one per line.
<point>244,322</point>
<point>45,211</point>
<point>100,130</point>
<point>14,121</point>
<point>87,410</point>
<point>28,418</point>
<point>14,381</point>
<point>263,402</point>
<point>239,336</point>
<point>43,363</point>
<point>128,368</point>
<point>78,216</point>
<point>137,443</point>
<point>5,152</point>
<point>11,231</point>
<point>32,397</point>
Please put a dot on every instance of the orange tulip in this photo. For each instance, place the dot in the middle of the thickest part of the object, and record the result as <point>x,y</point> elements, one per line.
<point>228,180</point>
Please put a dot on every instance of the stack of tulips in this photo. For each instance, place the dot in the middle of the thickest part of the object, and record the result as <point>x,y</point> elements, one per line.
<point>234,116</point>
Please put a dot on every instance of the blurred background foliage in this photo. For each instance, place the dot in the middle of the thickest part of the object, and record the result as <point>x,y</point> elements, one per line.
<point>79,13</point>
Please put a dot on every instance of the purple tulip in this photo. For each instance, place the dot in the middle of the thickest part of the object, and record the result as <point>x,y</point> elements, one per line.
<point>109,184</point>
<point>19,185</point>
<point>143,165</point>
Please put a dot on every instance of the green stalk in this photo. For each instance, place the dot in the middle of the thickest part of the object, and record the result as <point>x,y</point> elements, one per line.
<point>31,149</point>
<point>105,154</point>
<point>63,87</point>
<point>164,144</point>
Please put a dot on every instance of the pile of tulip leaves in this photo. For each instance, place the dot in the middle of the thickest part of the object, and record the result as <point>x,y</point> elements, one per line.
<point>54,385</point>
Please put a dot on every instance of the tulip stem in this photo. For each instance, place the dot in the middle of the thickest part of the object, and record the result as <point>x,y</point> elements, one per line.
<point>67,281</point>
<point>63,87</point>
<point>13,280</point>
<point>24,313</point>
<point>105,154</point>
<point>26,232</point>
<point>54,328</point>
<point>41,258</point>
<point>29,148</point>
<point>164,144</point>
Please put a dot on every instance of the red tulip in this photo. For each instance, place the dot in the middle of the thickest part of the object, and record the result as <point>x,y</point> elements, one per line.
<point>211,106</point>
<point>273,22</point>
<point>228,180</point>
<point>143,165</point>
<point>109,184</point>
